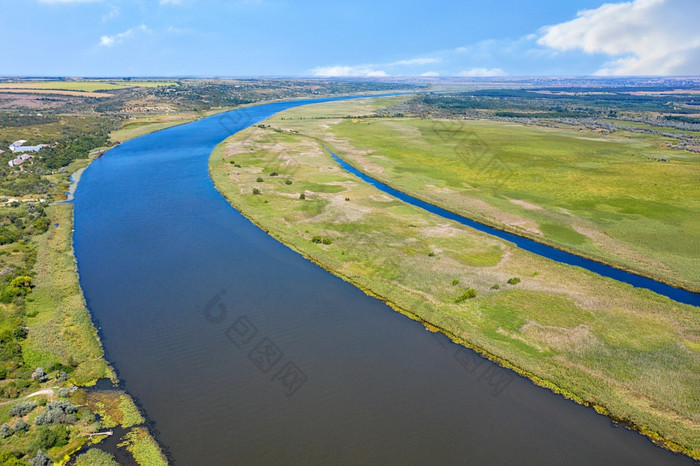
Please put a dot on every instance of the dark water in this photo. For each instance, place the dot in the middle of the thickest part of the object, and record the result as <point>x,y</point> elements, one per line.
<point>677,294</point>
<point>241,351</point>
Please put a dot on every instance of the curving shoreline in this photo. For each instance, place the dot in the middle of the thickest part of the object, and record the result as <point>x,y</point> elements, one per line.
<point>219,175</point>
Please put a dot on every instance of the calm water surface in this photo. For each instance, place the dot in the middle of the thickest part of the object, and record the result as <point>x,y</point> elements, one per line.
<point>241,351</point>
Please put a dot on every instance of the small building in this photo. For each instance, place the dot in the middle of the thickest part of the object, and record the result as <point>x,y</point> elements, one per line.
<point>19,160</point>
<point>18,146</point>
<point>15,145</point>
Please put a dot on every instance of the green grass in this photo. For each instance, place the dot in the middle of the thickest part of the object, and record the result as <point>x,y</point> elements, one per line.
<point>135,128</point>
<point>144,449</point>
<point>597,341</point>
<point>600,196</point>
<point>60,326</point>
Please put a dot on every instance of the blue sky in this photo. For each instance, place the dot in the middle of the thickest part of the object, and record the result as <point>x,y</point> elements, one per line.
<point>348,38</point>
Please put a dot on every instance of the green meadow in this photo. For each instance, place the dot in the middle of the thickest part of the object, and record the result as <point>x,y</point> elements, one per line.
<point>630,353</point>
<point>608,197</point>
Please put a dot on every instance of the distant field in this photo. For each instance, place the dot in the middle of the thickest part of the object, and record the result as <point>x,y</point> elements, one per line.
<point>596,340</point>
<point>85,86</point>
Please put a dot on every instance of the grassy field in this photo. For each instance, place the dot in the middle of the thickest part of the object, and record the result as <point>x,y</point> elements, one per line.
<point>140,126</point>
<point>84,85</point>
<point>60,327</point>
<point>602,196</point>
<point>630,353</point>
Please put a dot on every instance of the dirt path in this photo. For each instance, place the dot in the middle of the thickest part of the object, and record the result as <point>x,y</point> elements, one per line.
<point>46,391</point>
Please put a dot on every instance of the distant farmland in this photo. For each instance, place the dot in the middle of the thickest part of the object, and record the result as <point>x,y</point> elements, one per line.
<point>83,85</point>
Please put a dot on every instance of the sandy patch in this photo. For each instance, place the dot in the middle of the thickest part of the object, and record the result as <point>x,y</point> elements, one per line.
<point>338,210</point>
<point>560,338</point>
<point>443,231</point>
<point>525,205</point>
<point>381,198</point>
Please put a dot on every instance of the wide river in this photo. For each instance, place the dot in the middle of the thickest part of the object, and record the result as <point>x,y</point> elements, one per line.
<point>241,351</point>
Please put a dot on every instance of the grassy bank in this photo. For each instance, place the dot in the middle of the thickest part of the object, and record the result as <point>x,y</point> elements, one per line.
<point>629,352</point>
<point>62,339</point>
<point>610,198</point>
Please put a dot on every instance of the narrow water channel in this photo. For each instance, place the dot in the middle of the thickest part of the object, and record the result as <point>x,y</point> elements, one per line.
<point>677,294</point>
<point>242,352</point>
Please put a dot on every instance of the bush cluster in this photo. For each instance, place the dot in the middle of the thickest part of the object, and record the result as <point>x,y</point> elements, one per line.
<point>57,412</point>
<point>22,408</point>
<point>469,294</point>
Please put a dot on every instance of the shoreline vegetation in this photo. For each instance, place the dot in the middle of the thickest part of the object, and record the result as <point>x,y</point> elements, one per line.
<point>61,328</point>
<point>628,353</point>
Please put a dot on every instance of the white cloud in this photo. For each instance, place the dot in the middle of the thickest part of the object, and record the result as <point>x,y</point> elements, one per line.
<point>430,74</point>
<point>109,41</point>
<point>113,13</point>
<point>482,72</point>
<point>414,62</point>
<point>370,70</point>
<point>359,71</point>
<point>644,37</point>
<point>170,2</point>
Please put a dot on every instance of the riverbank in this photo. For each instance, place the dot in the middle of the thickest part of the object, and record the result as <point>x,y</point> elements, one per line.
<point>598,342</point>
<point>61,332</point>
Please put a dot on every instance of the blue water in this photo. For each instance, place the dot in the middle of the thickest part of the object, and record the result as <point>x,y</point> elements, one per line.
<point>677,294</point>
<point>243,352</point>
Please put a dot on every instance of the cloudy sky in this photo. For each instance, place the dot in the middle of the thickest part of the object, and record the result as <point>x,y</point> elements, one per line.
<point>349,38</point>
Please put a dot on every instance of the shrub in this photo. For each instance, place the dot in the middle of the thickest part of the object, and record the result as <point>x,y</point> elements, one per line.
<point>95,457</point>
<point>58,366</point>
<point>232,162</point>
<point>22,408</point>
<point>23,281</point>
<point>237,165</point>
<point>455,282</point>
<point>49,437</point>
<point>347,198</point>
<point>256,191</point>
<point>513,281</point>
<point>6,430</point>
<point>40,459</point>
<point>39,374</point>
<point>288,181</point>
<point>496,287</point>
<point>302,196</point>
<point>259,180</point>
<point>327,241</point>
<point>20,333</point>
<point>469,294</point>
<point>21,426</point>
<point>431,254</point>
<point>11,458</point>
<point>56,413</point>
<point>316,239</point>
<point>274,174</point>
